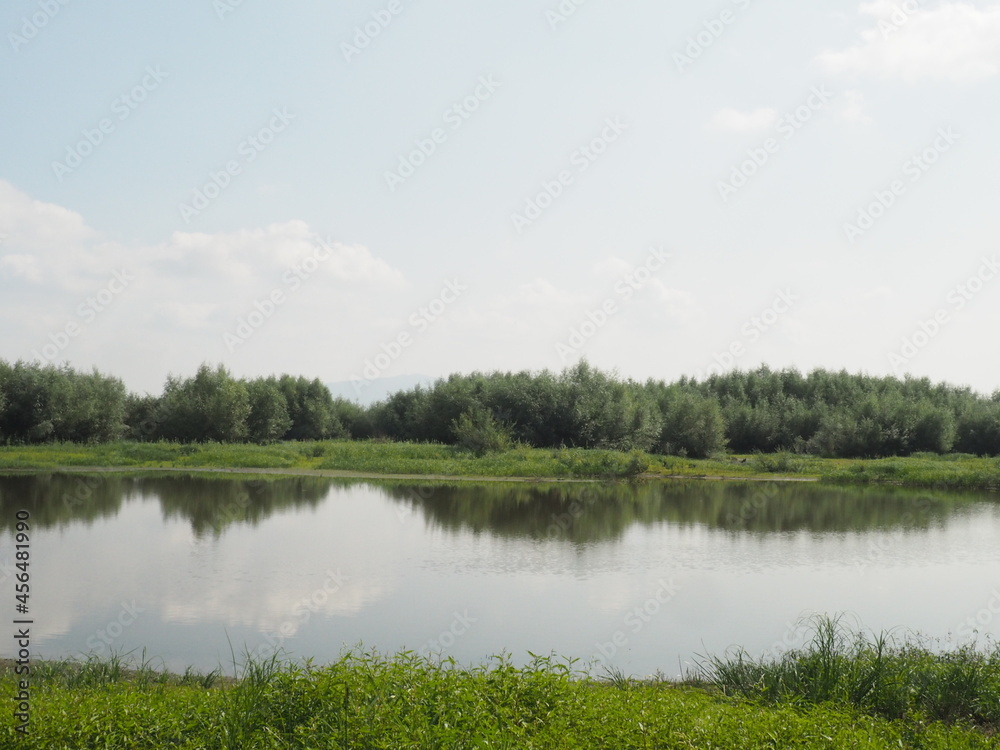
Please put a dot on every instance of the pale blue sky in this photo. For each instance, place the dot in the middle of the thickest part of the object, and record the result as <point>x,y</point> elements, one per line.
<point>890,82</point>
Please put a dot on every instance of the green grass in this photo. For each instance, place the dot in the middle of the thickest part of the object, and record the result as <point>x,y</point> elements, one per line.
<point>388,458</point>
<point>366,700</point>
<point>874,672</point>
<point>366,457</point>
<point>145,455</point>
<point>929,470</point>
<point>957,471</point>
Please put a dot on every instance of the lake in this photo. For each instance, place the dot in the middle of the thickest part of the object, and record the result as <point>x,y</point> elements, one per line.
<point>638,577</point>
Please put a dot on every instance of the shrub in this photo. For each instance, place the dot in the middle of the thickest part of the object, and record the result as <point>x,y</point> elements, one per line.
<point>478,432</point>
<point>778,463</point>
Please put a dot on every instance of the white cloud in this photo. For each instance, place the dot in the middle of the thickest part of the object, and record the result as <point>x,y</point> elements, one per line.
<point>355,263</point>
<point>620,276</point>
<point>611,267</point>
<point>880,293</point>
<point>731,120</point>
<point>45,242</point>
<point>955,42</point>
<point>21,265</point>
<point>850,107</point>
<point>527,314</point>
<point>248,255</point>
<point>676,303</point>
<point>182,295</point>
<point>188,314</point>
<point>31,224</point>
<point>39,237</point>
<point>539,295</point>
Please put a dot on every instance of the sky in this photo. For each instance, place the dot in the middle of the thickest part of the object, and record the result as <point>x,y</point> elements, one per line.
<point>359,190</point>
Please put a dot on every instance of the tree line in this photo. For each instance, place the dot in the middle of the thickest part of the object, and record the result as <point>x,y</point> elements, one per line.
<point>46,403</point>
<point>823,412</point>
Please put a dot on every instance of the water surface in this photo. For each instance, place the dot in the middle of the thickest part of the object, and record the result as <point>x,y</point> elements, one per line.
<point>640,577</point>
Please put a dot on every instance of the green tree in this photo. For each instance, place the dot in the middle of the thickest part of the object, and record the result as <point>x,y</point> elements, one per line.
<point>397,416</point>
<point>94,410</point>
<point>311,409</point>
<point>142,417</point>
<point>692,424</point>
<point>600,411</point>
<point>43,402</point>
<point>978,429</point>
<point>34,398</point>
<point>354,419</point>
<point>210,406</point>
<point>268,419</point>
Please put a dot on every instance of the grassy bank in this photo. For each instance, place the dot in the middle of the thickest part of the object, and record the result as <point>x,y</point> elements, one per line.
<point>876,673</point>
<point>833,694</point>
<point>425,459</point>
<point>922,470</point>
<point>364,457</point>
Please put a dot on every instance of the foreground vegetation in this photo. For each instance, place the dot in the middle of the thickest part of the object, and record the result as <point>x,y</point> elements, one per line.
<point>820,414</point>
<point>384,458</point>
<point>874,673</point>
<point>843,690</point>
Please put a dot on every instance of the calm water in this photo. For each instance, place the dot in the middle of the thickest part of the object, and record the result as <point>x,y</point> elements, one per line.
<point>643,578</point>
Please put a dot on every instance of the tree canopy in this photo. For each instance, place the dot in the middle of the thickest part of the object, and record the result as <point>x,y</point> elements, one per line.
<point>825,413</point>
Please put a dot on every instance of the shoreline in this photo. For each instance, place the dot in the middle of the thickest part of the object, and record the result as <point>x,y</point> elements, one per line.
<point>433,462</point>
<point>346,474</point>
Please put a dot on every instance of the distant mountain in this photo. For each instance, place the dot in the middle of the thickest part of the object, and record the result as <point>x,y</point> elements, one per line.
<point>377,389</point>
